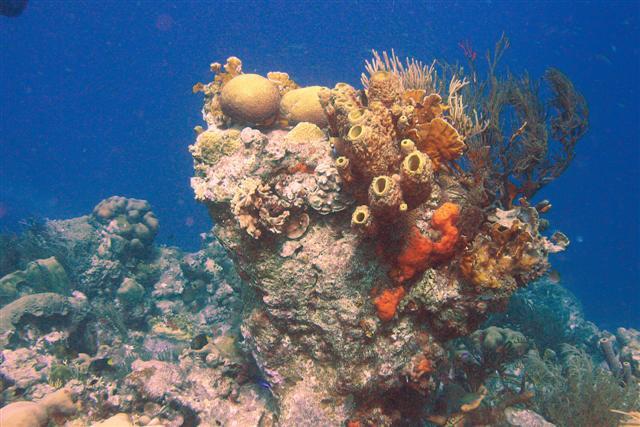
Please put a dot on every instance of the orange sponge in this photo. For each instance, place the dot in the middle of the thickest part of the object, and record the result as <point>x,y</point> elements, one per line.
<point>387,302</point>
<point>413,257</point>
<point>420,250</point>
<point>443,220</point>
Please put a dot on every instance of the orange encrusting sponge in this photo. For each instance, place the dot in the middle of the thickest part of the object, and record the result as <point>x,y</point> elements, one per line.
<point>420,250</point>
<point>387,302</point>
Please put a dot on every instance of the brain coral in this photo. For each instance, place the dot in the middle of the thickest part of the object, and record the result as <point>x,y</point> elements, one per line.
<point>303,105</point>
<point>250,98</point>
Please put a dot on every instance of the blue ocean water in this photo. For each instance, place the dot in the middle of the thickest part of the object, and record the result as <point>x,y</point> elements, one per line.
<point>96,100</point>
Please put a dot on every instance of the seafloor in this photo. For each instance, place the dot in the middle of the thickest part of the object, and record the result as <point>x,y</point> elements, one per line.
<point>377,259</point>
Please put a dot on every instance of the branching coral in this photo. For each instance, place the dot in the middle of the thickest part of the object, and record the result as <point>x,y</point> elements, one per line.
<point>529,140</point>
<point>429,159</point>
<point>468,126</point>
<point>212,111</point>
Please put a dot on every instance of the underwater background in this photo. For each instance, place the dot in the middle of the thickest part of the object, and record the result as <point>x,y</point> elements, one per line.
<point>96,101</point>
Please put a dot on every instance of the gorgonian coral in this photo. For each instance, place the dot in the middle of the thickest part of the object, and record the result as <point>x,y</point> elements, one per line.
<point>396,148</point>
<point>532,130</point>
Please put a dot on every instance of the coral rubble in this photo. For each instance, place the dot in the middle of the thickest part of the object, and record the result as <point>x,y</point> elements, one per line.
<point>136,335</point>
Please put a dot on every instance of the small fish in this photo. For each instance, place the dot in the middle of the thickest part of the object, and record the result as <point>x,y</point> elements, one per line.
<point>264,384</point>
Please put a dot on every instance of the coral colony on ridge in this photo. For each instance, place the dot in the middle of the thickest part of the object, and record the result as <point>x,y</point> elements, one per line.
<point>378,259</point>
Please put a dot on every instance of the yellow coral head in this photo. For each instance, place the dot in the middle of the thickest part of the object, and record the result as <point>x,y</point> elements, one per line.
<point>381,185</point>
<point>357,133</point>
<point>360,216</point>
<point>407,146</point>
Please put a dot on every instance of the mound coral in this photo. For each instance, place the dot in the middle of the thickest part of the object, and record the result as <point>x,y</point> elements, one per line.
<point>57,405</point>
<point>130,219</point>
<point>400,155</point>
<point>250,98</point>
<point>303,105</point>
<point>39,276</point>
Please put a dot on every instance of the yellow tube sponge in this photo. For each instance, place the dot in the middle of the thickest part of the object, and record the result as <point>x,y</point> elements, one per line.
<point>344,169</point>
<point>416,175</point>
<point>385,87</point>
<point>362,220</point>
<point>385,197</point>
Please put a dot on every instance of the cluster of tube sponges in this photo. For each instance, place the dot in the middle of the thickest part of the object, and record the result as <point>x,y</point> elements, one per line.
<point>374,159</point>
